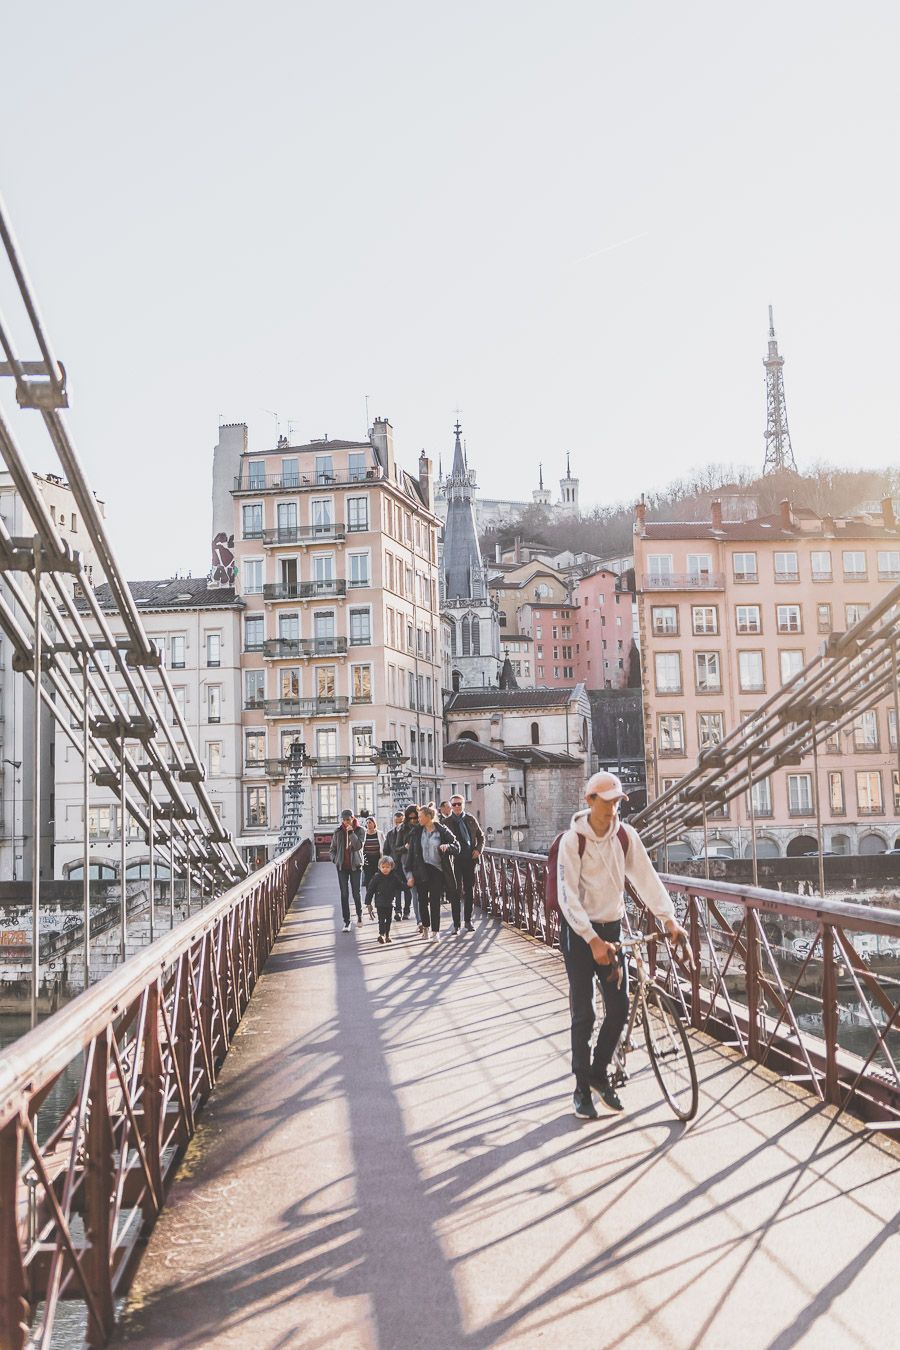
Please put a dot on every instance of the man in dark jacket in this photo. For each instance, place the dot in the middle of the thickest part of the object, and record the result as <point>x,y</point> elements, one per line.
<point>346,854</point>
<point>471,843</point>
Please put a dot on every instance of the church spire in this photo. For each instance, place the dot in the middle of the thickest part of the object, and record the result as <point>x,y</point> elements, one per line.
<point>459,460</point>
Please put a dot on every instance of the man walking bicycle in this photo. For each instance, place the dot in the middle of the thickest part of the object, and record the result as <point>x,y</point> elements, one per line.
<point>596,856</point>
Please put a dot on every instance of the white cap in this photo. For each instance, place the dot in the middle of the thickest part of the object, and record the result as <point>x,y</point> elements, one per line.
<point>605,785</point>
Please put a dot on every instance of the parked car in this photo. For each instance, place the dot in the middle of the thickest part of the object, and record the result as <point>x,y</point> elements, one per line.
<point>714,851</point>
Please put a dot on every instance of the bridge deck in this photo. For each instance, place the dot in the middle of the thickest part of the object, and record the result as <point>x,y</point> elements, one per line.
<point>390,1161</point>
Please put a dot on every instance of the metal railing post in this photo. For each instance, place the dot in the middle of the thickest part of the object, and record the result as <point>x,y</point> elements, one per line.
<point>36,794</point>
<point>123,860</point>
<point>171,875</point>
<point>98,1197</point>
<point>152,853</point>
<point>818,801</point>
<point>752,982</point>
<point>86,881</point>
<point>830,1015</point>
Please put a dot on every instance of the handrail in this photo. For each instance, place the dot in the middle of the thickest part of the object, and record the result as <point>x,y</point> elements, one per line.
<point>146,1044</point>
<point>753,987</point>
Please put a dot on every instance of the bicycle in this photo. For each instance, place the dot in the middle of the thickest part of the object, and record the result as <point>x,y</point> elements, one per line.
<point>668,1047</point>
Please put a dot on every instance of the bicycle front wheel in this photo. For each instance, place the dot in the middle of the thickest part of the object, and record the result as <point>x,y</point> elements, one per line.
<point>670,1054</point>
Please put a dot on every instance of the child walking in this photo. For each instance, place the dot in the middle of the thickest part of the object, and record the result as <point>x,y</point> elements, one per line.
<point>385,891</point>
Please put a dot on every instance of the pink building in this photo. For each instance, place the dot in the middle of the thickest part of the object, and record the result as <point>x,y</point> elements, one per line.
<point>605,623</point>
<point>729,612</point>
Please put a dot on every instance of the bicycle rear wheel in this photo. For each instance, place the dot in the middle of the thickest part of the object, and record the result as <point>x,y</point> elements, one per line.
<point>670,1054</point>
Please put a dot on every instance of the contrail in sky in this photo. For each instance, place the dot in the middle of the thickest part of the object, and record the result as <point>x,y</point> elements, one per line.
<point>609,247</point>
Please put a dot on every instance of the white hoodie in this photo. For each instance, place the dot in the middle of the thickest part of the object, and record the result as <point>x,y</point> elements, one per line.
<point>590,888</point>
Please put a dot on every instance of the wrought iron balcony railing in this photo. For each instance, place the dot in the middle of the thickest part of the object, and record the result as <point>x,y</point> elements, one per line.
<point>684,581</point>
<point>306,707</point>
<point>303,534</point>
<point>305,590</point>
<point>280,649</point>
<point>313,478</point>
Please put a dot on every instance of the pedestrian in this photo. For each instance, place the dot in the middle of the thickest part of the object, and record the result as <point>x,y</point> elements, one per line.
<point>471,843</point>
<point>431,846</point>
<point>445,811</point>
<point>410,894</point>
<point>373,847</point>
<point>386,887</point>
<point>395,847</point>
<point>590,888</point>
<point>346,854</point>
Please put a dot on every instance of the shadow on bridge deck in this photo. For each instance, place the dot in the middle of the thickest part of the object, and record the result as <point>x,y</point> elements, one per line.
<point>390,1161</point>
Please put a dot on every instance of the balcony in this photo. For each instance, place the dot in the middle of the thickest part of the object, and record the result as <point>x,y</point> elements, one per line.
<point>252,646</point>
<point>303,534</point>
<point>305,590</point>
<point>283,649</point>
<point>254,704</point>
<point>870,810</point>
<point>806,810</point>
<point>361,698</point>
<point>272,482</point>
<point>306,707</point>
<point>333,766</point>
<point>684,581</point>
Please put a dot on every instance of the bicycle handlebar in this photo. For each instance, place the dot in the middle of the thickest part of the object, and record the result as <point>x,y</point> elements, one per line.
<point>643,939</point>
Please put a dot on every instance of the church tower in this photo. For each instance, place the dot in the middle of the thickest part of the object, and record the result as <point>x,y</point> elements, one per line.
<point>568,492</point>
<point>541,495</point>
<point>472,615</point>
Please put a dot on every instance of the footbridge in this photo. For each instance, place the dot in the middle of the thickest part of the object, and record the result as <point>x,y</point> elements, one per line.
<point>386,1156</point>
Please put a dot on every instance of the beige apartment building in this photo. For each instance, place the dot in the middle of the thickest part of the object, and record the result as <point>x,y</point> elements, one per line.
<point>335,547</point>
<point>728,612</point>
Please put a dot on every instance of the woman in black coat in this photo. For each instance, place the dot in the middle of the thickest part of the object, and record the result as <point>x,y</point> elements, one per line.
<point>428,867</point>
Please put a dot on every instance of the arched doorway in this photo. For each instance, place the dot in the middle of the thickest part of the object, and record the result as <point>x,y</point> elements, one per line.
<point>680,851</point>
<point>97,871</point>
<point>840,843</point>
<point>871,844</point>
<point>467,736</point>
<point>765,848</point>
<point>800,844</point>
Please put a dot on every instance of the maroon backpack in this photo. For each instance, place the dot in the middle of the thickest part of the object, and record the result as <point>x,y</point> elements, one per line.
<point>551,891</point>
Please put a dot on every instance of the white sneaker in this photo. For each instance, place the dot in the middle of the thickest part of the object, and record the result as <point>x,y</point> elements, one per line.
<point>346,928</point>
<point>435,937</point>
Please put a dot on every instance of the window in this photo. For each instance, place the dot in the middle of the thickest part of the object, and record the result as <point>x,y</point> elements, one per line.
<point>214,758</point>
<point>788,617</point>
<point>751,675</point>
<point>710,729</point>
<point>257,808</point>
<point>895,778</point>
<point>252,575</point>
<point>290,473</point>
<point>256,473</point>
<point>786,567</point>
<point>761,794</point>
<point>322,515</point>
<point>357,513</point>
<point>214,703</point>
<point>326,682</point>
<point>535,733</point>
<point>360,627</point>
<point>705,619</point>
<point>254,688</point>
<point>356,464</point>
<point>364,798</point>
<point>326,746</point>
<point>747,619</point>
<point>892,728</point>
<point>324,469</point>
<point>790,664</point>
<point>660,565</point>
<point>362,684</point>
<point>868,792</point>
<point>889,564</point>
<point>101,821</point>
<point>362,745</point>
<point>854,565</point>
<point>359,569</point>
<point>820,562</point>
<point>823,617</point>
<point>865,731</point>
<point>323,570</point>
<point>836,793</point>
<point>288,682</point>
<point>699,566</point>
<point>327,803</point>
<point>289,626</point>
<point>179,695</point>
<point>254,749</point>
<point>252,520</point>
<point>707,673</point>
<point>254,633</point>
<point>853,613</point>
<point>670,733</point>
<point>668,672</point>
<point>744,567</point>
<point>411,690</point>
<point>799,787</point>
<point>213,649</point>
<point>177,651</point>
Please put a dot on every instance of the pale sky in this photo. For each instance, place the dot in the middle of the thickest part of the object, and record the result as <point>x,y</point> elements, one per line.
<point>566,220</point>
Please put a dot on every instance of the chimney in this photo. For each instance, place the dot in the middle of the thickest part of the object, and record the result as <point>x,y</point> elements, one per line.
<point>382,438</point>
<point>425,480</point>
<point>787,515</point>
<point>640,516</point>
<point>498,556</point>
<point>828,528</point>
<point>888,519</point>
<point>227,464</point>
<point>518,548</point>
<point>717,515</point>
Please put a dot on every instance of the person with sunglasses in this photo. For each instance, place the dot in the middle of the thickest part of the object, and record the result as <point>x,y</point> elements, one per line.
<point>596,856</point>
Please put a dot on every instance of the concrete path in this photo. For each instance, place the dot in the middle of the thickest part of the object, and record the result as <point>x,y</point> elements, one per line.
<point>390,1161</point>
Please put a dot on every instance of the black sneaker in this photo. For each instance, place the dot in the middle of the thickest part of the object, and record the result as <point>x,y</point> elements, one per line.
<point>469,928</point>
<point>607,1093</point>
<point>583,1104</point>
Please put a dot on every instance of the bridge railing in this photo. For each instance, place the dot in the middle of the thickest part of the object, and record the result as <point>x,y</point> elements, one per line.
<point>808,986</point>
<point>99,1102</point>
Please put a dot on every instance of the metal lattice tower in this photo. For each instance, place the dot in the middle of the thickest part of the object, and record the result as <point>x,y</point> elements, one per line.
<point>779,451</point>
<point>292,812</point>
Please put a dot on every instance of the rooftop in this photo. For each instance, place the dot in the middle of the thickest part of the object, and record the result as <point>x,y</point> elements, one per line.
<point>470,700</point>
<point>176,593</point>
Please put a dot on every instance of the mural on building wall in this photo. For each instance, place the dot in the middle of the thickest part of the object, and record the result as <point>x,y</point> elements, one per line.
<point>224,567</point>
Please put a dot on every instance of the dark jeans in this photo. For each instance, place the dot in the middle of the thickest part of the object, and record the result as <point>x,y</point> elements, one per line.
<point>582,969</point>
<point>349,881</point>
<point>465,875</point>
<point>370,872</point>
<point>384,921</point>
<point>430,887</point>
